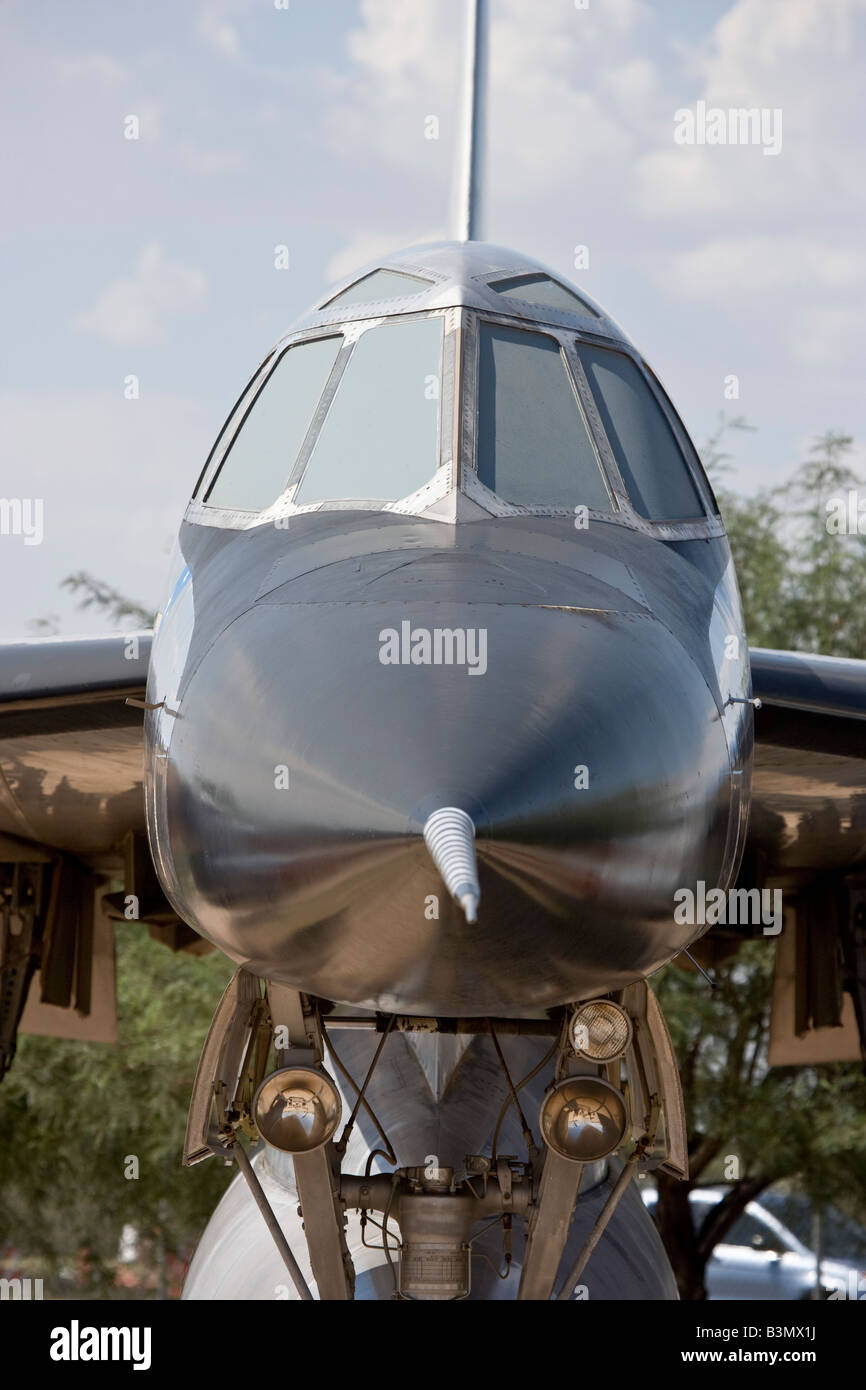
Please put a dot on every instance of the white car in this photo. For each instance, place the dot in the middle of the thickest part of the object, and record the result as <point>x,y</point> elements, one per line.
<point>761,1259</point>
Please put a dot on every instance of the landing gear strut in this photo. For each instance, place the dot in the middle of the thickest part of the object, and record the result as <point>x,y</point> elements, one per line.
<point>613,1088</point>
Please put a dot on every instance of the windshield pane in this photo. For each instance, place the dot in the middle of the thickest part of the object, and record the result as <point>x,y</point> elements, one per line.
<point>540,289</point>
<point>653,469</point>
<point>227,433</point>
<point>379,439</point>
<point>257,466</point>
<point>380,284</point>
<point>533,444</point>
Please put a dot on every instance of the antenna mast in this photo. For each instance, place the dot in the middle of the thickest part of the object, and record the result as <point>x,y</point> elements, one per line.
<point>469,215</point>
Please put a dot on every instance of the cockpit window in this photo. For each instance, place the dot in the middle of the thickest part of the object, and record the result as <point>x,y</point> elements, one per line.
<point>533,444</point>
<point>380,284</point>
<point>540,289</point>
<point>229,429</point>
<point>257,466</point>
<point>380,436</point>
<point>656,476</point>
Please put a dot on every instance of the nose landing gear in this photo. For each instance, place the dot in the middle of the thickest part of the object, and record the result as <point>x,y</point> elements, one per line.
<point>613,1088</point>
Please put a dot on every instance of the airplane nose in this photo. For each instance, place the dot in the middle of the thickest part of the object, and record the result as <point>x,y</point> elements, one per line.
<point>317,743</point>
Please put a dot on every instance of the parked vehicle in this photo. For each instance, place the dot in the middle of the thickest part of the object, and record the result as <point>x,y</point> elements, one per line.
<point>761,1259</point>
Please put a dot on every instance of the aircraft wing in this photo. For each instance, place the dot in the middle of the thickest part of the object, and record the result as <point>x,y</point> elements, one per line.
<point>807,838</point>
<point>70,747</point>
<point>809,787</point>
<point>71,831</point>
<point>72,819</point>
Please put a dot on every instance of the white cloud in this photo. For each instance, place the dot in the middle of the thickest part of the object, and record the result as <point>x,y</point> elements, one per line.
<point>370,245</point>
<point>114,476</point>
<point>731,271</point>
<point>828,335</point>
<point>217,31</point>
<point>94,67</point>
<point>763,222</point>
<point>407,60</point>
<point>226,159</point>
<point>814,292</point>
<point>569,93</point>
<point>137,310</point>
<point>791,55</point>
<point>557,104</point>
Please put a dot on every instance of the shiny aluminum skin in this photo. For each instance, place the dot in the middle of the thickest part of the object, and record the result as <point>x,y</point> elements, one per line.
<point>606,649</point>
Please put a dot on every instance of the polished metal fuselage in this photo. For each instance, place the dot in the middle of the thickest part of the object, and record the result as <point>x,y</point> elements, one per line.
<point>325,677</point>
<point>290,771</point>
<point>329,675</point>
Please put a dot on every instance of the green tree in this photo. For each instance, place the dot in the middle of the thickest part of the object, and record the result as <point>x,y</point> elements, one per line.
<point>75,1114</point>
<point>755,532</point>
<point>751,1125</point>
<point>95,593</point>
<point>803,585</point>
<point>825,600</point>
<point>803,588</point>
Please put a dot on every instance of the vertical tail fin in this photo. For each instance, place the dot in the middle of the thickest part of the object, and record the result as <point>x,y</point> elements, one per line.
<point>471,172</point>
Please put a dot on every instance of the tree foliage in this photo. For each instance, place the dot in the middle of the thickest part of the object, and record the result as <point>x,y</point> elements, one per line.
<point>95,593</point>
<point>751,1125</point>
<point>803,584</point>
<point>803,587</point>
<point>74,1114</point>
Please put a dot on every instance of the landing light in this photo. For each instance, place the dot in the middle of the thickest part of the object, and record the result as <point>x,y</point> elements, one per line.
<point>600,1030</point>
<point>297,1109</point>
<point>583,1118</point>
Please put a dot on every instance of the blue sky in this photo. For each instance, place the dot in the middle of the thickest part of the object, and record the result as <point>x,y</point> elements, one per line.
<point>306,127</point>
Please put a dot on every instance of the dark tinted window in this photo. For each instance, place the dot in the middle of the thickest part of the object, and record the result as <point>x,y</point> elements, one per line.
<point>540,289</point>
<point>656,476</point>
<point>533,443</point>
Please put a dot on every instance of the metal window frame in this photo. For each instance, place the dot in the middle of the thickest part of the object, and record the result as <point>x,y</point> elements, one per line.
<point>351,340</point>
<point>584,311</point>
<point>570,339</point>
<point>472,369</point>
<point>201,511</point>
<point>670,417</point>
<point>278,354</point>
<point>425,283</point>
<point>687,445</point>
<point>457,428</point>
<point>224,428</point>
